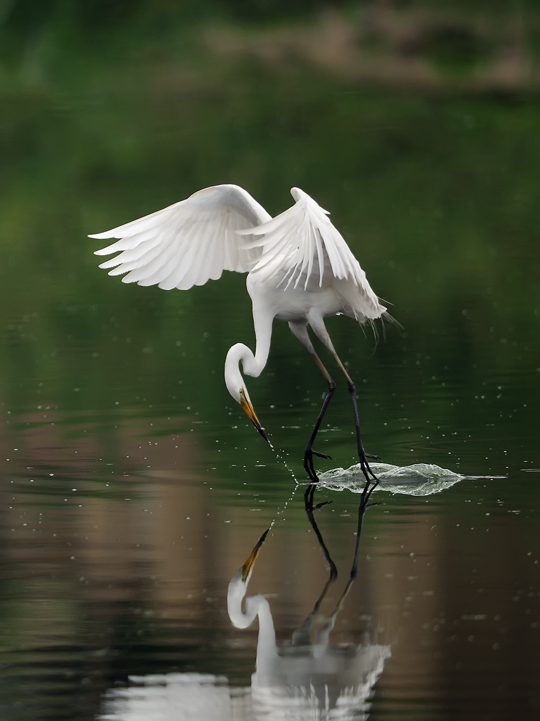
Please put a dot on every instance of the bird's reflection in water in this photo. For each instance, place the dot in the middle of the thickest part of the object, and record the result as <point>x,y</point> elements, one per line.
<point>308,678</point>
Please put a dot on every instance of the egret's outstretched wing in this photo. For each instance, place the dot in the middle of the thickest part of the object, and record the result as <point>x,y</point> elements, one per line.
<point>189,242</point>
<point>301,244</point>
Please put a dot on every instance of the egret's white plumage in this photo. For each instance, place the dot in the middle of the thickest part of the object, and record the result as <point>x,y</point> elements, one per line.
<point>189,242</point>
<point>300,269</point>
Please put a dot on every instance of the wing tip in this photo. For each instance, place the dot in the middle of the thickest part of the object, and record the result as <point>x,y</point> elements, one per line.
<point>300,195</point>
<point>105,251</point>
<point>102,236</point>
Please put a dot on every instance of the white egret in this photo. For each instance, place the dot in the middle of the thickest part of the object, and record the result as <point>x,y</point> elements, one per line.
<point>300,269</point>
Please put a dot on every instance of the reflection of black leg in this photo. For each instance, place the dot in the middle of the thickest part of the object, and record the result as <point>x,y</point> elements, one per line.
<point>308,503</point>
<point>302,635</point>
<point>362,508</point>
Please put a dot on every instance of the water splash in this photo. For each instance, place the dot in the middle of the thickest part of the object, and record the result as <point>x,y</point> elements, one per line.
<point>419,479</point>
<point>280,457</point>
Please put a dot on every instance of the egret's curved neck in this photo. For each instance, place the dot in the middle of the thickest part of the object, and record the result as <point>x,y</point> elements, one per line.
<point>233,377</point>
<point>252,364</point>
<point>255,606</point>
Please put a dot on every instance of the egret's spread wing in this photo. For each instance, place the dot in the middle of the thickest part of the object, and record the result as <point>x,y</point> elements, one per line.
<point>189,242</point>
<point>302,245</point>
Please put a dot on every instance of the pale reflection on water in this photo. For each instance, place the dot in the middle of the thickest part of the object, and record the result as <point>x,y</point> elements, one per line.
<point>120,540</point>
<point>178,697</point>
<point>306,679</point>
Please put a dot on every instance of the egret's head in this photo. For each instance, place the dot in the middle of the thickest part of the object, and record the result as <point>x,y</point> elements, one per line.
<point>250,412</point>
<point>247,568</point>
<point>238,589</point>
<point>236,386</point>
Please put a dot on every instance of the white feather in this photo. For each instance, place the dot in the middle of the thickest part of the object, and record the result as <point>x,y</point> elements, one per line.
<point>301,242</point>
<point>299,267</point>
<point>189,242</point>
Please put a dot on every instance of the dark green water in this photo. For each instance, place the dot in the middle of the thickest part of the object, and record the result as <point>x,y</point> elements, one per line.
<point>133,487</point>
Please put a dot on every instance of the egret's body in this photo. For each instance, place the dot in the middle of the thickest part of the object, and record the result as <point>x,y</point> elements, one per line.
<point>299,267</point>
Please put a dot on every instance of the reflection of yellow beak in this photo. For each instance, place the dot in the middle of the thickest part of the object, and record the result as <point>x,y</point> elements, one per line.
<point>248,565</point>
<point>250,413</point>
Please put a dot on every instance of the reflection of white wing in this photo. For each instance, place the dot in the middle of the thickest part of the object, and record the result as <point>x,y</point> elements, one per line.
<point>177,697</point>
<point>336,686</point>
<point>189,242</point>
<point>325,682</point>
<point>309,682</point>
<point>301,243</point>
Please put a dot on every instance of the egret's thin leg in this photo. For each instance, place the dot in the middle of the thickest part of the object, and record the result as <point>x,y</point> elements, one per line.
<point>309,452</point>
<point>317,323</point>
<point>361,451</point>
<point>300,331</point>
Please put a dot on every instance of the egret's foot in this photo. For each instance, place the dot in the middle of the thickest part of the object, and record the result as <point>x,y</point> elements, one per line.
<point>366,468</point>
<point>372,457</point>
<point>310,469</point>
<point>308,463</point>
<point>320,505</point>
<point>324,455</point>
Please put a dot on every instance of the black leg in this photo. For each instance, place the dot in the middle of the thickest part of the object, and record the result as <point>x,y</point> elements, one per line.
<point>299,328</point>
<point>317,324</point>
<point>362,455</point>
<point>309,452</point>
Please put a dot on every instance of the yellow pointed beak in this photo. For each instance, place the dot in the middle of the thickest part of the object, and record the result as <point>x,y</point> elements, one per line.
<point>248,565</point>
<point>250,413</point>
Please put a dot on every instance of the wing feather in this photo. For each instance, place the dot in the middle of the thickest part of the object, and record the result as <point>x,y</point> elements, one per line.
<point>175,272</point>
<point>189,242</point>
<point>155,261</point>
<point>301,241</point>
<point>301,247</point>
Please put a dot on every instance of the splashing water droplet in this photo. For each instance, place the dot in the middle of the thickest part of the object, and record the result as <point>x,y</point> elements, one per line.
<point>281,459</point>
